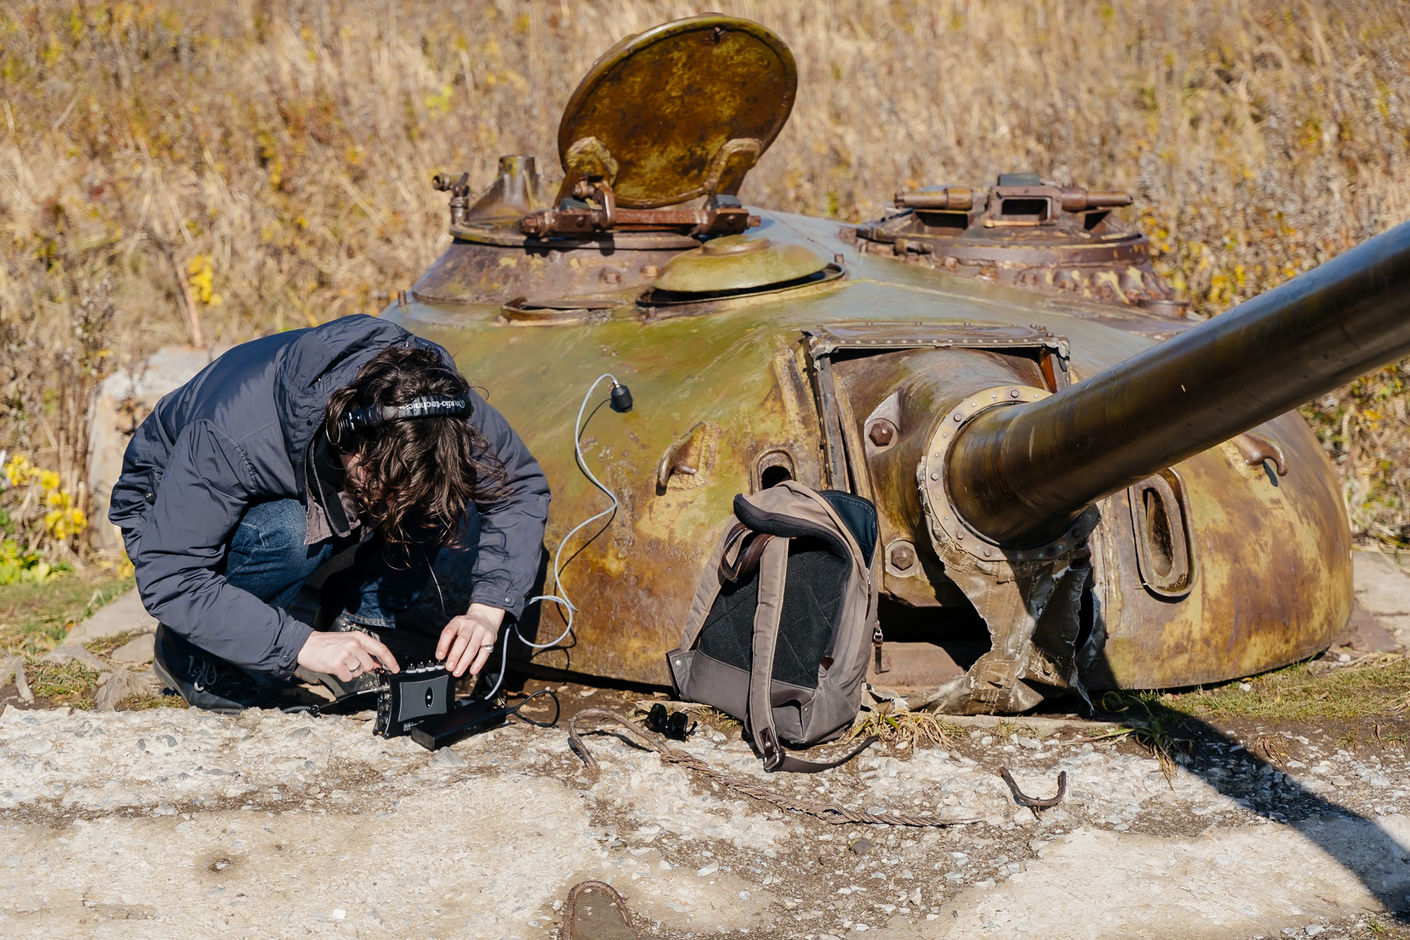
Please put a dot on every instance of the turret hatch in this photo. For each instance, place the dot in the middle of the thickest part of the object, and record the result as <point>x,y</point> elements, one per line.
<point>676,113</point>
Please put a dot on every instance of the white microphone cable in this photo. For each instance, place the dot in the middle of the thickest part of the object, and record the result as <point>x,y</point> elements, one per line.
<point>561,598</point>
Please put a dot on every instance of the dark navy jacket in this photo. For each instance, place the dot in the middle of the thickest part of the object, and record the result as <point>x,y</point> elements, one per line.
<point>237,434</point>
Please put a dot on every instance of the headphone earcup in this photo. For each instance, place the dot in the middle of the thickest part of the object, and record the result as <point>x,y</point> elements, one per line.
<point>352,422</point>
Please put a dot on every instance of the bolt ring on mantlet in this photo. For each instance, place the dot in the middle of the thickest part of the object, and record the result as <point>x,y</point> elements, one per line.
<point>947,529</point>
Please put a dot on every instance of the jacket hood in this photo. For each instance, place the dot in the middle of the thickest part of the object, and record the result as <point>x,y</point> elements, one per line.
<point>318,363</point>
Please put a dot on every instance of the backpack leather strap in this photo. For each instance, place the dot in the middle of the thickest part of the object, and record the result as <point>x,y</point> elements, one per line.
<point>743,549</point>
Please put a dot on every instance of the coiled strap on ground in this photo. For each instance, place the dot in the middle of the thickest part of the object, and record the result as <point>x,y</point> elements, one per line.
<point>826,810</point>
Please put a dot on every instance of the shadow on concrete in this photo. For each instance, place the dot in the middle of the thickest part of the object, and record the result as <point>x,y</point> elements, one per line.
<point>1258,784</point>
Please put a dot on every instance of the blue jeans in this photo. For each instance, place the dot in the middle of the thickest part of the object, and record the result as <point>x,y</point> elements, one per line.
<point>268,558</point>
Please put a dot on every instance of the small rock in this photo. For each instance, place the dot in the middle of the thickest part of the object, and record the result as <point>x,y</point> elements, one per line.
<point>124,684</point>
<point>137,651</point>
<point>13,668</point>
<point>862,846</point>
<point>446,757</point>
<point>73,653</point>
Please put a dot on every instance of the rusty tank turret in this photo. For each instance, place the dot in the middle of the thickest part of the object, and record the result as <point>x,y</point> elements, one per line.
<point>1079,487</point>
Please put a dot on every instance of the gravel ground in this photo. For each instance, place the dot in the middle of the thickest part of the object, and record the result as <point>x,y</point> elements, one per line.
<point>167,822</point>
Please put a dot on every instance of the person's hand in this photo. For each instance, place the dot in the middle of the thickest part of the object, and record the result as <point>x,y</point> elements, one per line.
<point>467,640</point>
<point>345,655</point>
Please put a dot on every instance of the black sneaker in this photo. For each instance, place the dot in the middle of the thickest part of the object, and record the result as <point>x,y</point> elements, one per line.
<point>204,680</point>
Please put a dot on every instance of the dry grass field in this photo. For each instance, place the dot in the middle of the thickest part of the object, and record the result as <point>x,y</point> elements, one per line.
<point>260,165</point>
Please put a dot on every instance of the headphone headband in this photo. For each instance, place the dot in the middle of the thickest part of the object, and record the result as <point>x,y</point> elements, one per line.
<point>356,420</point>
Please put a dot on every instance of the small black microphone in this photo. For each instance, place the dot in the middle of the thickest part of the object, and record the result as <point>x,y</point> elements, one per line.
<point>621,397</point>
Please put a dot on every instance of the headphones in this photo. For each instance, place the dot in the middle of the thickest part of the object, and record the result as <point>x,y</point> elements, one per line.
<point>357,420</point>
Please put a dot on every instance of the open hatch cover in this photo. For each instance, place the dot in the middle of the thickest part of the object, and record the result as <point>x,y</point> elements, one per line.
<point>678,112</point>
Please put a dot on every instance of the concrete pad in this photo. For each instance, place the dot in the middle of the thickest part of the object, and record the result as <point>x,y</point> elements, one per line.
<point>1382,587</point>
<point>124,614</point>
<point>1222,883</point>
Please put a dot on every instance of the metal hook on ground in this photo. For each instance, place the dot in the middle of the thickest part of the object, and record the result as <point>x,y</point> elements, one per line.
<point>1034,803</point>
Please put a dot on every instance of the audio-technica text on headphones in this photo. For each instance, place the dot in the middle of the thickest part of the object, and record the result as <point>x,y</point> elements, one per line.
<point>356,420</point>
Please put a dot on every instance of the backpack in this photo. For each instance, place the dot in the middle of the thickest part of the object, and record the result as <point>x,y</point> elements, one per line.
<point>779,630</point>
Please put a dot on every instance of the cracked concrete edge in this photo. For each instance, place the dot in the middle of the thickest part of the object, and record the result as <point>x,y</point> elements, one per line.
<point>123,614</point>
<point>1382,586</point>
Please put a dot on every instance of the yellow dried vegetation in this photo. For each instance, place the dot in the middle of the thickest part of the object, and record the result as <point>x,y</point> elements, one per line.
<point>171,171</point>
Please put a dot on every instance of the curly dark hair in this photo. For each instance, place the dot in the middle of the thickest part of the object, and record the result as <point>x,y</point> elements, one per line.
<point>418,474</point>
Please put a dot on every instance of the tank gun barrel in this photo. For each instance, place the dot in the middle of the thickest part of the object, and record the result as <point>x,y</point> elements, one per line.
<point>1020,473</point>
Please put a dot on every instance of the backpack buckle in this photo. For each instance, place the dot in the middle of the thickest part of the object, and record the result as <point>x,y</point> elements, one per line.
<point>768,748</point>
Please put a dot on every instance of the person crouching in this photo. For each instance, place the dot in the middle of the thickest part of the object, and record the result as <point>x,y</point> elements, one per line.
<point>288,449</point>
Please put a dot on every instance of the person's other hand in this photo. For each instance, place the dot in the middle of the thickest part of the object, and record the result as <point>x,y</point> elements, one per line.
<point>345,655</point>
<point>467,640</point>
